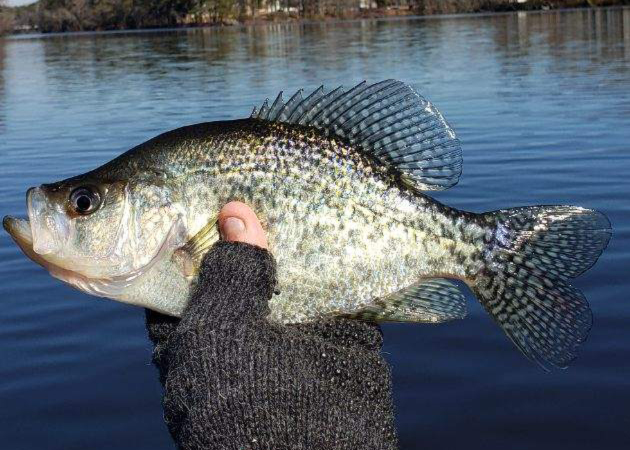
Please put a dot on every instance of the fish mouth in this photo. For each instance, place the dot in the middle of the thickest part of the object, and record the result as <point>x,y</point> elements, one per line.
<point>20,230</point>
<point>112,287</point>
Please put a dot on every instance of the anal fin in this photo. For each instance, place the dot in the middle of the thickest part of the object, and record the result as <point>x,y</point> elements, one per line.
<point>432,300</point>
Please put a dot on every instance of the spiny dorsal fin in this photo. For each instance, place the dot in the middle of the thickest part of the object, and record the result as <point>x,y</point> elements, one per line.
<point>387,119</point>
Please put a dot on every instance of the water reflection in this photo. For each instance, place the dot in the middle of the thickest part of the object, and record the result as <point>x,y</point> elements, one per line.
<point>188,58</point>
<point>590,35</point>
<point>2,88</point>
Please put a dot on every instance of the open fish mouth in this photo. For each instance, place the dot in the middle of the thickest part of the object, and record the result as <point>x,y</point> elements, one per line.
<point>112,287</point>
<point>20,230</point>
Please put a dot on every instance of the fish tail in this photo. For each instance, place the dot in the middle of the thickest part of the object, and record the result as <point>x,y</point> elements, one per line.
<point>529,257</point>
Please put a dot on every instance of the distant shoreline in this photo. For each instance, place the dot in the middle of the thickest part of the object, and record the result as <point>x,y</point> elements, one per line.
<point>299,22</point>
<point>23,19</point>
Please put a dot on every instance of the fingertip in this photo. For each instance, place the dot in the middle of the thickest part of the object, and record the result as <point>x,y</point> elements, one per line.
<point>238,223</point>
<point>234,229</point>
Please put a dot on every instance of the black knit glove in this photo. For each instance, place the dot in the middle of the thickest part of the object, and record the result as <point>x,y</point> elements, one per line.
<point>233,380</point>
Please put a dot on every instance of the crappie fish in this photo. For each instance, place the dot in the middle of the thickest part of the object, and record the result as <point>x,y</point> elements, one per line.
<point>337,180</point>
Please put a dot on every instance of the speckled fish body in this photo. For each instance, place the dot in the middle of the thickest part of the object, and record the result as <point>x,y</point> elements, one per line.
<point>337,180</point>
<point>343,229</point>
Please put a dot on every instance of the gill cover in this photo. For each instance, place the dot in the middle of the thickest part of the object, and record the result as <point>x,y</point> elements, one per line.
<point>105,252</point>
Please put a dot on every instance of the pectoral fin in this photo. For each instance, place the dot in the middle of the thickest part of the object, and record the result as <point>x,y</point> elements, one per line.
<point>205,238</point>
<point>191,254</point>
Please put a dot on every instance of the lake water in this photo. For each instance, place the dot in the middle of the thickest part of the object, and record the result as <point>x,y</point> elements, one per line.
<point>541,102</point>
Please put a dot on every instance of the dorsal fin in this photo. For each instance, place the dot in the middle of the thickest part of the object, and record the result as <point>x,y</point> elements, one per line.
<point>388,120</point>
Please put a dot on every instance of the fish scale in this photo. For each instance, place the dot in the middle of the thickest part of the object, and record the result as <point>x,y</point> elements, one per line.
<point>334,187</point>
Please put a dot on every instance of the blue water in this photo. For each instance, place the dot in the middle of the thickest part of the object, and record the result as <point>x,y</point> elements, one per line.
<point>541,103</point>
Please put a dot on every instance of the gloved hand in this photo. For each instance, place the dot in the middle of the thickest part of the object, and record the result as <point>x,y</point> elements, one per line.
<point>233,380</point>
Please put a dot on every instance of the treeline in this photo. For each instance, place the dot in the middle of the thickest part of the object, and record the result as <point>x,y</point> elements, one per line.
<point>86,15</point>
<point>7,17</point>
<point>428,7</point>
<point>79,15</point>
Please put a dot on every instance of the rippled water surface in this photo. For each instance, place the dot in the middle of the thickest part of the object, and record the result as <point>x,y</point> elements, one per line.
<point>541,103</point>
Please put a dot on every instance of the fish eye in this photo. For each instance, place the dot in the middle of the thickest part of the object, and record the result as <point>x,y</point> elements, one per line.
<point>85,200</point>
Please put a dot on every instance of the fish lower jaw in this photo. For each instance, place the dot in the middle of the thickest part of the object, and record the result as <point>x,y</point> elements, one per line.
<point>19,229</point>
<point>113,287</point>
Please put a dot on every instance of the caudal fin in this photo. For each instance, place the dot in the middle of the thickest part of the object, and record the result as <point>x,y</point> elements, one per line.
<point>531,255</point>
